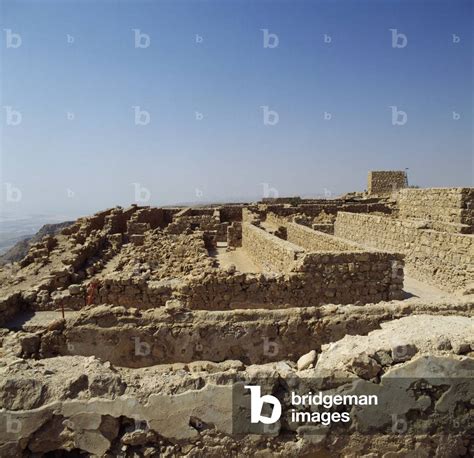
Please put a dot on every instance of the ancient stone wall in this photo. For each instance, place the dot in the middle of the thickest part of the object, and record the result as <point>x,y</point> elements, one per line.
<point>234,235</point>
<point>326,228</point>
<point>386,181</point>
<point>317,279</point>
<point>153,216</point>
<point>131,293</point>
<point>361,275</point>
<point>203,222</point>
<point>440,258</point>
<point>169,213</point>
<point>204,211</point>
<point>277,220</point>
<point>312,240</point>
<point>96,221</point>
<point>282,200</point>
<point>116,221</point>
<point>250,216</point>
<point>325,276</point>
<point>251,336</point>
<point>324,224</point>
<point>268,251</point>
<point>449,209</point>
<point>137,294</point>
<point>329,207</point>
<point>231,213</point>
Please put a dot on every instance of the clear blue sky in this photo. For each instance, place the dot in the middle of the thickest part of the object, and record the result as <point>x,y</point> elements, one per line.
<point>228,77</point>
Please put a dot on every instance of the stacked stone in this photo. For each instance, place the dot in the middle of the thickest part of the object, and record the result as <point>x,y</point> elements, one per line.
<point>270,252</point>
<point>440,258</point>
<point>386,181</point>
<point>312,240</point>
<point>234,235</point>
<point>448,209</point>
<point>329,275</point>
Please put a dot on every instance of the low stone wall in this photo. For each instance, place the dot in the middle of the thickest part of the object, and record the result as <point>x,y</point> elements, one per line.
<point>250,216</point>
<point>282,200</point>
<point>326,228</point>
<point>137,294</point>
<point>314,278</point>
<point>347,277</point>
<point>130,293</point>
<point>451,209</point>
<point>440,258</point>
<point>312,240</point>
<point>330,207</point>
<point>204,222</point>
<point>277,220</point>
<point>133,339</point>
<point>268,251</point>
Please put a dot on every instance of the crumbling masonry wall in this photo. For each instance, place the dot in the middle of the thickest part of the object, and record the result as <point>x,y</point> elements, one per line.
<point>277,220</point>
<point>330,207</point>
<point>440,258</point>
<point>448,209</point>
<point>202,222</point>
<point>132,339</point>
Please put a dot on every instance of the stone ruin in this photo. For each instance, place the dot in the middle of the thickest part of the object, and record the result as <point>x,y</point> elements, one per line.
<point>382,182</point>
<point>126,333</point>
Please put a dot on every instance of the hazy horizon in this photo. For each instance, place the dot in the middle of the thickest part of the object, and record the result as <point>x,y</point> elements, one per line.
<point>110,103</point>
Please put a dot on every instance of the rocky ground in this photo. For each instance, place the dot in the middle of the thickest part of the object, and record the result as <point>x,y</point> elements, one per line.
<point>76,402</point>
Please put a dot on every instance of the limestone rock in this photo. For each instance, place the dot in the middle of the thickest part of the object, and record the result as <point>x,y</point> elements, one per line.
<point>305,361</point>
<point>403,352</point>
<point>74,289</point>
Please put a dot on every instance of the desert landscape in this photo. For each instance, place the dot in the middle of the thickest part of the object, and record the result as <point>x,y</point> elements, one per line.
<point>134,332</point>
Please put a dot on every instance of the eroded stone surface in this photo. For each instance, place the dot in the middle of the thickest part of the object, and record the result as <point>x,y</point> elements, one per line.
<point>182,406</point>
<point>398,341</point>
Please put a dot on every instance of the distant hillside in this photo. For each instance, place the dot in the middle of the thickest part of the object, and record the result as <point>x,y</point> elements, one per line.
<point>8,241</point>
<point>20,249</point>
